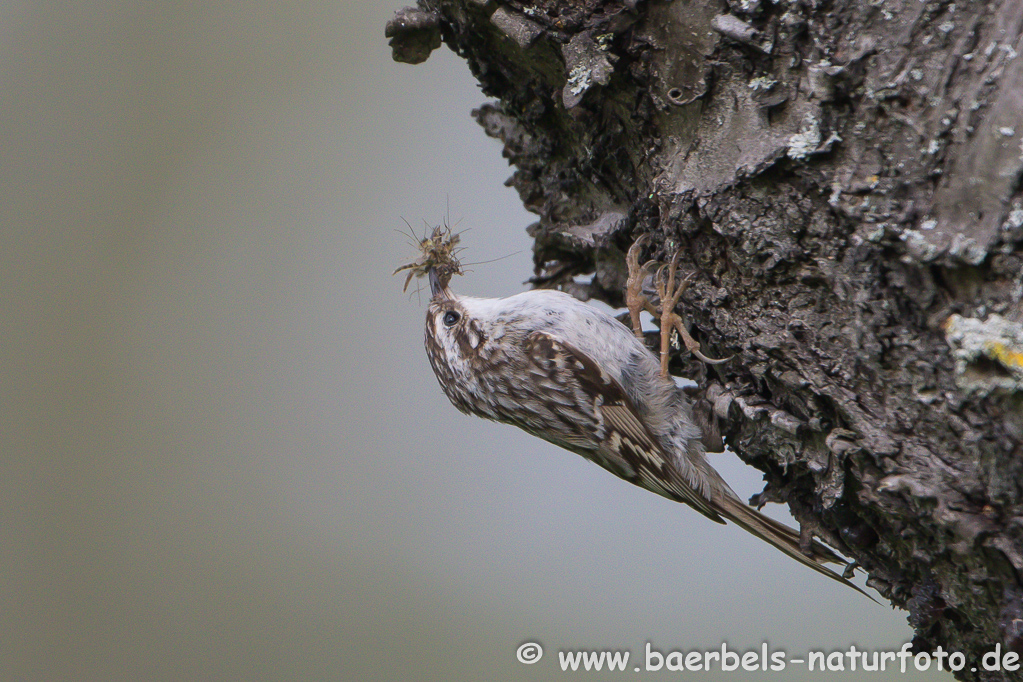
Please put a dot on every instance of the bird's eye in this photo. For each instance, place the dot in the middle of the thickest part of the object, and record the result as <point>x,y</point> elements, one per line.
<point>451,318</point>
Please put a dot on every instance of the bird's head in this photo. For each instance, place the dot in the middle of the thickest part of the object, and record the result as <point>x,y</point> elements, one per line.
<point>457,327</point>
<point>455,335</point>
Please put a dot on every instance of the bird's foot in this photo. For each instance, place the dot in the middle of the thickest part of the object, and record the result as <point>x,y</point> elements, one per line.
<point>669,292</point>
<point>634,298</point>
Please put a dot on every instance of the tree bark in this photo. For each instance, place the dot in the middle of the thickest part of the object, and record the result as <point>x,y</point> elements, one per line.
<point>844,182</point>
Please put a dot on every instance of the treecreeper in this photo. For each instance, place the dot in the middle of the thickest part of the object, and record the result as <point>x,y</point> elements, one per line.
<point>576,377</point>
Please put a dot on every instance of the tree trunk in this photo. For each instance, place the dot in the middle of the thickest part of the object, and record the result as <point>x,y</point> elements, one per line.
<point>843,180</point>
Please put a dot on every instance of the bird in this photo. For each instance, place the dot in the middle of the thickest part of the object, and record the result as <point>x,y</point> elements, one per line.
<point>574,376</point>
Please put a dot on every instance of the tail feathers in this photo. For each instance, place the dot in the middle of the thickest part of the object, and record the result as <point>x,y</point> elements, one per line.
<point>784,538</point>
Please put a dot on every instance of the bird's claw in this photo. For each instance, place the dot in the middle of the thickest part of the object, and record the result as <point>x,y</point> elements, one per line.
<point>634,298</point>
<point>669,293</point>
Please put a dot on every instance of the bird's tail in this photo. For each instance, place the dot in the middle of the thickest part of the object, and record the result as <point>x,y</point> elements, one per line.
<point>784,538</point>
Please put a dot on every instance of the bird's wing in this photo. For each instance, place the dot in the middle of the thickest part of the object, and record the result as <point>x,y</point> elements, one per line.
<point>625,445</point>
<point>627,448</point>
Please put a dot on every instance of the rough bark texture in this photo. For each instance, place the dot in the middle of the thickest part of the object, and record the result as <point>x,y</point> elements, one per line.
<point>844,179</point>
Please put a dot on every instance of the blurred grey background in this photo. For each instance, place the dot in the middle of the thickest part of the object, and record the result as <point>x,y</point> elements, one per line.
<point>224,455</point>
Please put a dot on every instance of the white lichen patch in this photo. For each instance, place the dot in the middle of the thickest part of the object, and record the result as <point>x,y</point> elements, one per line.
<point>1014,219</point>
<point>579,80</point>
<point>806,141</point>
<point>877,234</point>
<point>836,194</point>
<point>762,83</point>
<point>967,249</point>
<point>918,245</point>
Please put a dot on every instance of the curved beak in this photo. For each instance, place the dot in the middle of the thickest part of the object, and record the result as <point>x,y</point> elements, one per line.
<point>438,289</point>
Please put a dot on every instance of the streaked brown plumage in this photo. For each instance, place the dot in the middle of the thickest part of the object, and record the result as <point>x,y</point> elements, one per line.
<point>576,377</point>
